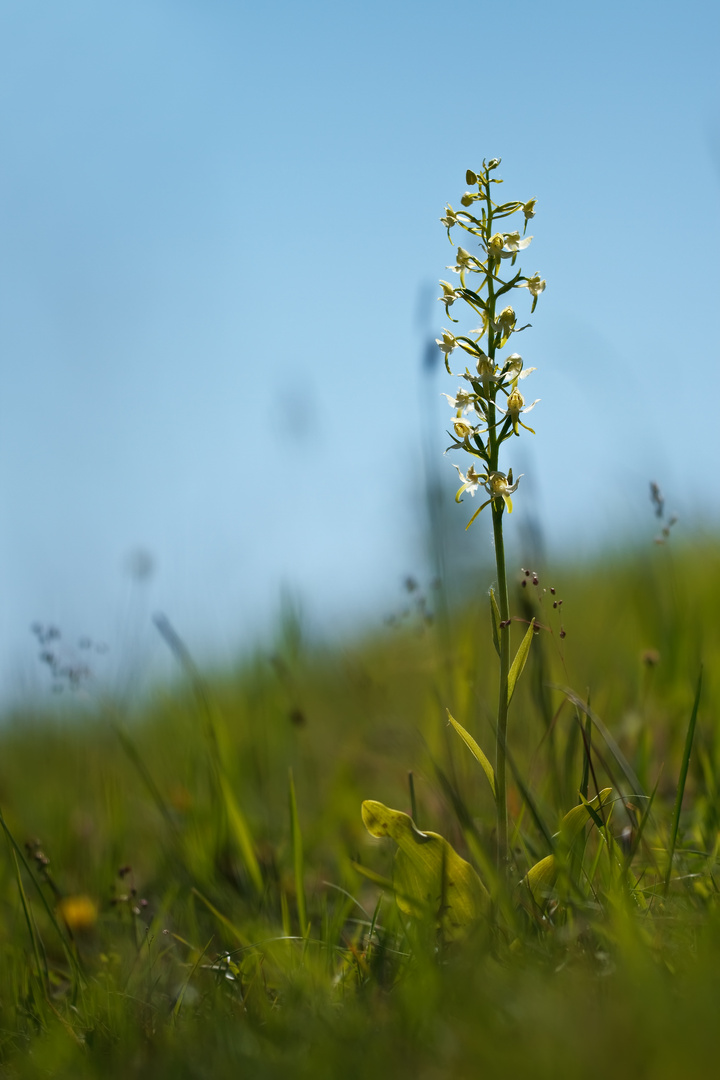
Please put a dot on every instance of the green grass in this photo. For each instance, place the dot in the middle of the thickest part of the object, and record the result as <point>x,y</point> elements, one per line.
<point>243,940</point>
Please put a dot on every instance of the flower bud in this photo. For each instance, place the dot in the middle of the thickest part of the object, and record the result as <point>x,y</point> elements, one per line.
<point>470,177</point>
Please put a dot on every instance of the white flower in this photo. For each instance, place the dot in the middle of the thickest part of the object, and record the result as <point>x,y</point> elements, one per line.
<point>498,486</point>
<point>502,487</point>
<point>463,402</point>
<point>515,403</point>
<point>495,245</point>
<point>535,285</point>
<point>447,343</point>
<point>450,218</point>
<point>529,209</point>
<point>513,244</point>
<point>462,428</point>
<point>471,482</point>
<point>465,262</point>
<point>513,369</point>
<point>505,323</point>
<point>448,297</point>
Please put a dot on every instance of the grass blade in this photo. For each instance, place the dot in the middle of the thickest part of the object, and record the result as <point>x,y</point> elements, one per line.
<point>297,858</point>
<point>681,781</point>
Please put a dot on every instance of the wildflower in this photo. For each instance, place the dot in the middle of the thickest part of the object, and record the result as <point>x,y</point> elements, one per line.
<point>535,285</point>
<point>515,404</point>
<point>448,297</point>
<point>79,912</point>
<point>502,487</point>
<point>495,245</point>
<point>463,402</point>
<point>498,486</point>
<point>463,428</point>
<point>486,368</point>
<point>447,343</point>
<point>505,324</point>
<point>513,369</point>
<point>513,244</point>
<point>470,483</point>
<point>450,218</point>
<point>465,262</point>
<point>529,209</point>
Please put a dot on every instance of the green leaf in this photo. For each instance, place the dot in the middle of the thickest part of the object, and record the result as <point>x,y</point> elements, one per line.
<point>430,879</point>
<point>518,663</point>
<point>681,781</point>
<point>540,878</point>
<point>495,617</point>
<point>297,845</point>
<point>474,750</point>
<point>241,832</point>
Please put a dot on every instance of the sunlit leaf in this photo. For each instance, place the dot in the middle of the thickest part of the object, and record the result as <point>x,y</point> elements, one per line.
<point>518,663</point>
<point>541,877</point>
<point>430,879</point>
<point>474,750</point>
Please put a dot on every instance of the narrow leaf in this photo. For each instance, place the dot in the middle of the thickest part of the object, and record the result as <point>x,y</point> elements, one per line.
<point>297,858</point>
<point>682,779</point>
<point>241,832</point>
<point>474,750</point>
<point>521,656</point>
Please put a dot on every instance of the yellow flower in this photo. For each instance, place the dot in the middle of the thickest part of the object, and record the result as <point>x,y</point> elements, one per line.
<point>79,912</point>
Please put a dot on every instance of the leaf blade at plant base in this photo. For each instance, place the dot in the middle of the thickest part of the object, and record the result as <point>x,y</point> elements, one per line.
<point>430,879</point>
<point>540,878</point>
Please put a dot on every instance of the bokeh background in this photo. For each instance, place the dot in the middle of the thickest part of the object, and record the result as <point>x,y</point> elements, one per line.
<point>219,256</point>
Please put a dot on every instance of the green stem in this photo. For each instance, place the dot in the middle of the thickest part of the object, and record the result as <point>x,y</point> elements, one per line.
<point>502,713</point>
<point>497,506</point>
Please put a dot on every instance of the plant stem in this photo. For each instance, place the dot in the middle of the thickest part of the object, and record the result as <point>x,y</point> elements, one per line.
<point>502,713</point>
<point>497,506</point>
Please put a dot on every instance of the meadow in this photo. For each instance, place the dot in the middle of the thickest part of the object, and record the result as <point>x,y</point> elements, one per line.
<point>188,888</point>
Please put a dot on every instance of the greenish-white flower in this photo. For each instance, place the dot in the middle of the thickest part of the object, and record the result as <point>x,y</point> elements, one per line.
<point>535,284</point>
<point>447,343</point>
<point>505,324</point>
<point>470,481</point>
<point>449,295</point>
<point>495,245</point>
<point>498,486</point>
<point>450,218</point>
<point>465,262</point>
<point>514,243</point>
<point>502,487</point>
<point>513,368</point>
<point>463,428</point>
<point>529,209</point>
<point>516,406</point>
<point>463,400</point>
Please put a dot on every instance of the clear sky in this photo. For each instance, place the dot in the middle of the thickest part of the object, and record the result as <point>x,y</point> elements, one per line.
<point>219,248</point>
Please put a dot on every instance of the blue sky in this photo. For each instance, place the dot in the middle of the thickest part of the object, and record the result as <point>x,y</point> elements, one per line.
<point>218,233</point>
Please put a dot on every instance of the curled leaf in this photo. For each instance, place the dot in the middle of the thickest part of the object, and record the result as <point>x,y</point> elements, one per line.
<point>430,879</point>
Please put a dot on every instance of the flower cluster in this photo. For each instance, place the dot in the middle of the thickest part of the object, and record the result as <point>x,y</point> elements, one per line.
<point>488,409</point>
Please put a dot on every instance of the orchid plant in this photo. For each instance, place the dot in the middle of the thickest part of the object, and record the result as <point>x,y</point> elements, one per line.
<point>489,408</point>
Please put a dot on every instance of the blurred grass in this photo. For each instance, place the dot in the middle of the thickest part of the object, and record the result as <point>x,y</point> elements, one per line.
<point>199,963</point>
